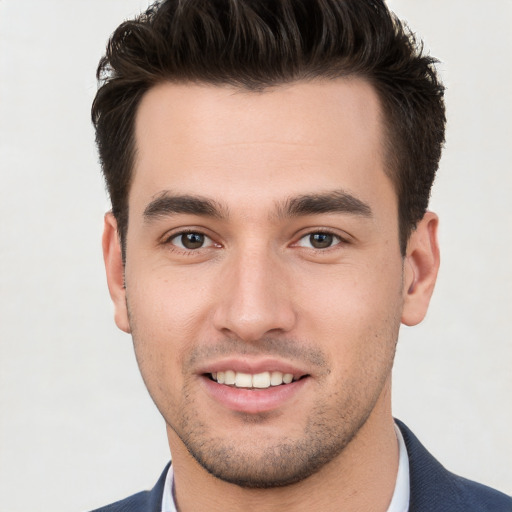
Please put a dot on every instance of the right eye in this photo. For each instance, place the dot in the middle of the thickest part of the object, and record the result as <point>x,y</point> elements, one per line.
<point>191,240</point>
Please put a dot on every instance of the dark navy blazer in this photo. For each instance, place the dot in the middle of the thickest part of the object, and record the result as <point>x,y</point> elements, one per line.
<point>433,488</point>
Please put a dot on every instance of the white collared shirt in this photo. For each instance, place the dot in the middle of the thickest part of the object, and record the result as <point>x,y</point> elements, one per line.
<point>401,494</point>
<point>399,501</point>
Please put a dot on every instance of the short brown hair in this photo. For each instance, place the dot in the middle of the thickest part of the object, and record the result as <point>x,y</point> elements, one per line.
<point>255,44</point>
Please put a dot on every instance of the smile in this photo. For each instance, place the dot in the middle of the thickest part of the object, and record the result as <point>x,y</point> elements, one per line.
<point>253,387</point>
<point>261,380</point>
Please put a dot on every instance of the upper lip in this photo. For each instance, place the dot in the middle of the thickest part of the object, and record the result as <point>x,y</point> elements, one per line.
<point>252,366</point>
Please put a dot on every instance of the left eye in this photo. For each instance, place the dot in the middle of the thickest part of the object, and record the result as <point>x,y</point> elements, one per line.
<point>319,240</point>
<point>191,240</point>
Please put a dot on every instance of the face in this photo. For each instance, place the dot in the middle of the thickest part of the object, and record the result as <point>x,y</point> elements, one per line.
<point>264,281</point>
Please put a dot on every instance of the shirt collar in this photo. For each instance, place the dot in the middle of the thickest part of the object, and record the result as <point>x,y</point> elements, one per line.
<point>400,499</point>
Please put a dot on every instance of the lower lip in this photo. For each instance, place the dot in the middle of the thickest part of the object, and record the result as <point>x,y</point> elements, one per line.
<point>253,401</point>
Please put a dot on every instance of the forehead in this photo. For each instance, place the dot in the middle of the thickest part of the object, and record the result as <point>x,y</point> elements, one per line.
<point>299,138</point>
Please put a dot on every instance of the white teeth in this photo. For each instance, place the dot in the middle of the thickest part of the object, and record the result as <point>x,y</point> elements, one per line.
<point>276,379</point>
<point>243,380</point>
<point>229,377</point>
<point>261,380</point>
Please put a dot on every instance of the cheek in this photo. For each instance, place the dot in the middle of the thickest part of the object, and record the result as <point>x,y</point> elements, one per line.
<point>167,316</point>
<point>356,310</point>
<point>167,301</point>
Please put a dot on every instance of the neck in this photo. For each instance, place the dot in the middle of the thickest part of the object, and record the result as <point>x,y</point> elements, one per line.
<point>361,478</point>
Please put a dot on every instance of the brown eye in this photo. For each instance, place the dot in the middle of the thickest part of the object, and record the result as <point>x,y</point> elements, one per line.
<point>191,240</point>
<point>320,240</point>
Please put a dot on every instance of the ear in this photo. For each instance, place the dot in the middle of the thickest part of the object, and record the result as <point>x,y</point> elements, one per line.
<point>114,267</point>
<point>420,269</point>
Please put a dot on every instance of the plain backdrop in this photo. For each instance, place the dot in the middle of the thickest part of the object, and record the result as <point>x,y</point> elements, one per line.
<point>77,428</point>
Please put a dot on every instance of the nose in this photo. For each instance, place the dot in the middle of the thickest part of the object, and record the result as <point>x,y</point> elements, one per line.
<point>255,297</point>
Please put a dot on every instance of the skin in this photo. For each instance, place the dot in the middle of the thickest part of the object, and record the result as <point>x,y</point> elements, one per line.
<point>257,294</point>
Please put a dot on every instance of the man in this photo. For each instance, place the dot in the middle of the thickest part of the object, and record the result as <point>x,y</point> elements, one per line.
<point>269,166</point>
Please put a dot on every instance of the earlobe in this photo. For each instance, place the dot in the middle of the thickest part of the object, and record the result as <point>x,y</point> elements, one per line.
<point>420,269</point>
<point>114,267</point>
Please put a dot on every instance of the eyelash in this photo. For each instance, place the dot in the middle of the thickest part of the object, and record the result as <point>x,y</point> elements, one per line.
<point>337,240</point>
<point>184,250</point>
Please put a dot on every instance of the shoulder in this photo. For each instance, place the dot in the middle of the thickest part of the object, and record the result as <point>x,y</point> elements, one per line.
<point>145,501</point>
<point>480,497</point>
<point>435,488</point>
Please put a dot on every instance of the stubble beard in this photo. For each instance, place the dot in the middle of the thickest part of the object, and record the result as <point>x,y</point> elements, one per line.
<point>279,463</point>
<point>283,461</point>
<point>330,426</point>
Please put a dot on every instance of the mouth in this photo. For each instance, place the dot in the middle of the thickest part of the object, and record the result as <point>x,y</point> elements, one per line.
<point>262,380</point>
<point>254,387</point>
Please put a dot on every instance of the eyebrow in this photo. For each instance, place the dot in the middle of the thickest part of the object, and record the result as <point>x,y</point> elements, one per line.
<point>166,204</point>
<point>337,201</point>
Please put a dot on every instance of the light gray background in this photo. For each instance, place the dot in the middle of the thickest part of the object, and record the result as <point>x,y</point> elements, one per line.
<point>77,429</point>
